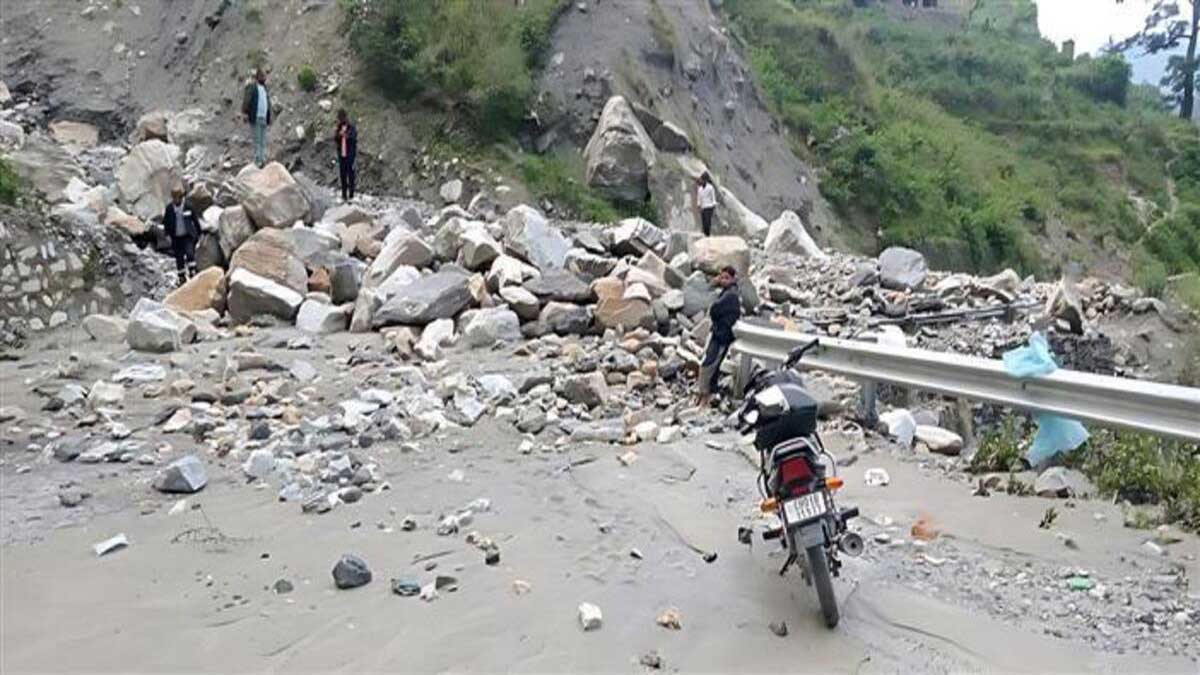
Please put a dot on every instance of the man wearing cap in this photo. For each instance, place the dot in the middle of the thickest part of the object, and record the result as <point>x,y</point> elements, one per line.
<point>183,229</point>
<point>724,312</point>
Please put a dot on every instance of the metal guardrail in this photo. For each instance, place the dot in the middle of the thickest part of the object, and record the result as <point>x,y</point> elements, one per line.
<point>1151,407</point>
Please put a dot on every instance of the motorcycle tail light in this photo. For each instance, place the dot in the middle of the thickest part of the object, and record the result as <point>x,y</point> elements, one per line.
<point>795,476</point>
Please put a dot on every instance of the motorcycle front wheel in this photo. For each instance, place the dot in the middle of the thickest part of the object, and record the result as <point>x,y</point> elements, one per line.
<point>818,569</point>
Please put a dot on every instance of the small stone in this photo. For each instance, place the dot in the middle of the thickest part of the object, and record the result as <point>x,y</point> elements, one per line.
<point>779,628</point>
<point>406,587</point>
<point>351,572</point>
<point>670,618</point>
<point>282,587</point>
<point>590,616</point>
<point>651,660</point>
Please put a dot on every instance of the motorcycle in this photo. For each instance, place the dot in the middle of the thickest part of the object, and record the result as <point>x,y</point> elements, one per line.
<point>797,478</point>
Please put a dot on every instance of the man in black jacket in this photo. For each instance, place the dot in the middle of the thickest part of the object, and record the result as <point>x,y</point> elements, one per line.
<point>345,140</point>
<point>724,312</point>
<point>256,108</point>
<point>183,229</point>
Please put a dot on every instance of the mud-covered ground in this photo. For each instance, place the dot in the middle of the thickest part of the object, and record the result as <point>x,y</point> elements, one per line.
<point>195,589</point>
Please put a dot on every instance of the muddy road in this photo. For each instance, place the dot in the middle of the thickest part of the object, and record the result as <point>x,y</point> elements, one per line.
<point>196,588</point>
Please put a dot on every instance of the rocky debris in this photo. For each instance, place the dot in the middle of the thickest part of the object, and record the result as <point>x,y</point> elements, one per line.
<point>635,236</point>
<point>74,135</point>
<point>938,440</point>
<point>104,328</point>
<point>486,327</point>
<point>478,249</point>
<point>525,304</point>
<point>270,254</point>
<point>441,295</point>
<point>203,291</point>
<point>145,178</point>
<point>321,318</point>
<point>1065,305</point>
<point>401,249</point>
<point>252,295</point>
<point>185,475</point>
<point>902,268</point>
<point>787,235</point>
<point>271,197</point>
<point>590,616</point>
<point>620,153</point>
<point>351,572</point>
<point>589,389</point>
<point>46,166</point>
<point>1061,482</point>
<point>711,254</point>
<point>530,237</point>
<point>451,191</point>
<point>156,328</point>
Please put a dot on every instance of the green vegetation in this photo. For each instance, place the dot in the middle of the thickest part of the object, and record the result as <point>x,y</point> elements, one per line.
<point>10,184</point>
<point>1000,449</point>
<point>962,139</point>
<point>307,78</point>
<point>476,56</point>
<point>558,180</point>
<point>1137,468</point>
<point>1143,469</point>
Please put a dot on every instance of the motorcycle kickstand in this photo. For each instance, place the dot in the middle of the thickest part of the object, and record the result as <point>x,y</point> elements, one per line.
<point>787,563</point>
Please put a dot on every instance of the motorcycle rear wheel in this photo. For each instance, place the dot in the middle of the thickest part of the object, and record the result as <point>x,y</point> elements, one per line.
<point>818,569</point>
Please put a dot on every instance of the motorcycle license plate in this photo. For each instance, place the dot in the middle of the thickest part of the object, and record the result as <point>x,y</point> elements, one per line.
<point>804,508</point>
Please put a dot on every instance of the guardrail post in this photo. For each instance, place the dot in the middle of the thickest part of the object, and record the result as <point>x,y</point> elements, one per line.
<point>867,411</point>
<point>742,376</point>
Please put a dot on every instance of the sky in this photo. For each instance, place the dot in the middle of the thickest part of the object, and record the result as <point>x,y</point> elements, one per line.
<point>1091,23</point>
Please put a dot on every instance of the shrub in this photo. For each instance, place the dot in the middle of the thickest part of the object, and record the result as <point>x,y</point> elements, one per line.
<point>307,78</point>
<point>1144,469</point>
<point>10,183</point>
<point>1000,447</point>
<point>1149,273</point>
<point>1104,80</point>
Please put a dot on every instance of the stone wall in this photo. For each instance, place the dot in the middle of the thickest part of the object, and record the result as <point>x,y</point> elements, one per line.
<point>52,274</point>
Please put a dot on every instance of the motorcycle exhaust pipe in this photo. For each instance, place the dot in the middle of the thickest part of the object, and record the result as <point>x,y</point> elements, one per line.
<point>851,544</point>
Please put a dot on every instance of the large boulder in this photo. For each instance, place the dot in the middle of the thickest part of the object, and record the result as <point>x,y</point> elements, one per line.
<point>345,279</point>
<point>736,218</point>
<point>620,153</point>
<point>477,249</point>
<point>711,254</point>
<point>105,328</point>
<point>155,328</point>
<point>46,167</point>
<point>441,295</point>
<point>365,306</point>
<point>902,268</point>
<point>271,197</point>
<point>589,389</point>
<point>625,312</point>
<point>529,236</point>
<point>146,175</point>
<point>448,239</point>
<point>208,252</point>
<point>787,235</point>
<point>75,135</point>
<point>204,291</point>
<point>253,295</point>
<point>566,318</point>
<point>315,248</point>
<point>489,326</point>
<point>525,304</point>
<point>560,285</point>
<point>131,225</point>
<point>271,254</point>
<point>698,294</point>
<point>401,248</point>
<point>588,265</point>
<point>636,236</point>
<point>151,127</point>
<point>508,271</point>
<point>185,475</point>
<point>234,228</point>
<point>321,318</point>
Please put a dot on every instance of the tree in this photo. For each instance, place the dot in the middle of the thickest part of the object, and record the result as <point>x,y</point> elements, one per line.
<point>1170,24</point>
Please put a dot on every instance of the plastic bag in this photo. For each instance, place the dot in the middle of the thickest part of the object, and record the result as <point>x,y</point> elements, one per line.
<point>1055,434</point>
<point>1032,360</point>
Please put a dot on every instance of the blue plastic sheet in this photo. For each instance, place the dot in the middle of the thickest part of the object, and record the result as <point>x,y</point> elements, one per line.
<point>1032,360</point>
<point>1055,434</point>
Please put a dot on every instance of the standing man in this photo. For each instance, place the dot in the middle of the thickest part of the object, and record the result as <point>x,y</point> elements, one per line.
<point>706,199</point>
<point>181,226</point>
<point>724,312</point>
<point>345,139</point>
<point>256,107</point>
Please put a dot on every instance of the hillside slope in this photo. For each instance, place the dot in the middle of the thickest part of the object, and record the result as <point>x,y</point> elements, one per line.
<point>965,134</point>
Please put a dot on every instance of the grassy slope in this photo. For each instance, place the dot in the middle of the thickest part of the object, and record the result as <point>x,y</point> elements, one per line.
<point>964,137</point>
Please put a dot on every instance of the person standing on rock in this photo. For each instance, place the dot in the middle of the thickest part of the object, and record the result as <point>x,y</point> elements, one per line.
<point>256,107</point>
<point>345,139</point>
<point>706,199</point>
<point>183,229</point>
<point>724,312</point>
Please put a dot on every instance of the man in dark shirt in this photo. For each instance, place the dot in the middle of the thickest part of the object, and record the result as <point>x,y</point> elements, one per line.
<point>183,229</point>
<point>345,140</point>
<point>724,312</point>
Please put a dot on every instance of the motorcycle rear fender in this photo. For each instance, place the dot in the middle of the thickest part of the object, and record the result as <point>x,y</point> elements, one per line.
<point>811,534</point>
